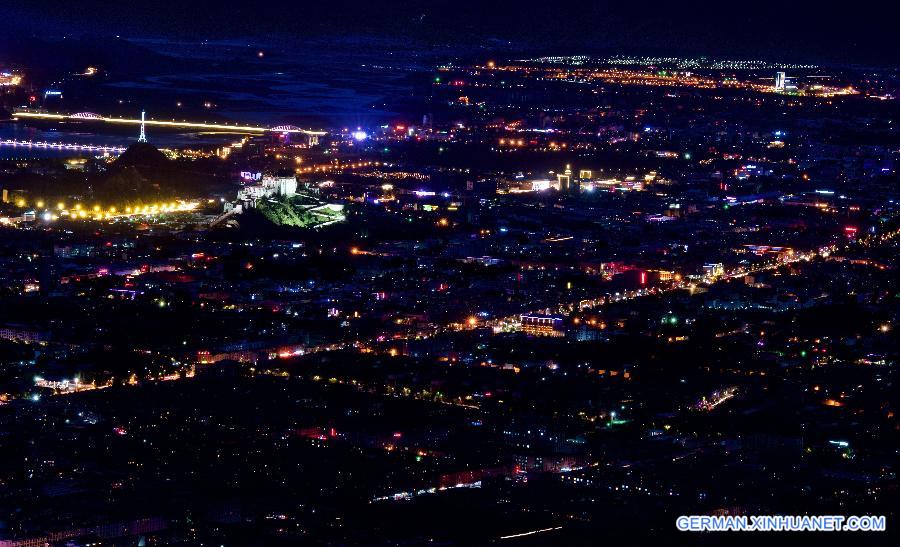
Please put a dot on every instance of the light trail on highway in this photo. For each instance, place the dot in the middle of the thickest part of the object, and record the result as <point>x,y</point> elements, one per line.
<point>168,123</point>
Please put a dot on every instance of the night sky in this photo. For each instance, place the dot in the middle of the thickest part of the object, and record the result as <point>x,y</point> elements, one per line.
<point>857,32</point>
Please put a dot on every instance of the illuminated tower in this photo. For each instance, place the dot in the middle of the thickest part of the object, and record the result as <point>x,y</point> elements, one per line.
<point>779,81</point>
<point>565,180</point>
<point>143,136</point>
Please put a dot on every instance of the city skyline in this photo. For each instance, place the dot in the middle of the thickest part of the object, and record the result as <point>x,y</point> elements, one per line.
<point>447,273</point>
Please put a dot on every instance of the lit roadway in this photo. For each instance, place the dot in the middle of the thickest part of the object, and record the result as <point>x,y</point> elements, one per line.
<point>680,285</point>
<point>62,146</point>
<point>89,116</point>
<point>563,307</point>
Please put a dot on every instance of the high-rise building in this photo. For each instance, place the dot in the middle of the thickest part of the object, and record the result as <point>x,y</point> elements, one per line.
<point>780,81</point>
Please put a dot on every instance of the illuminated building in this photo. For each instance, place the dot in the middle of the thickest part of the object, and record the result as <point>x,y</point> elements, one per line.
<point>565,180</point>
<point>23,334</point>
<point>779,81</point>
<point>539,185</point>
<point>542,325</point>
<point>10,79</point>
<point>713,270</point>
<point>665,275</point>
<point>269,186</point>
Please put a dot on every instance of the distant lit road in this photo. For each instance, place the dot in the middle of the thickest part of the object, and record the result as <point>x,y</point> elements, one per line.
<point>91,117</point>
<point>62,146</point>
<point>531,533</point>
<point>822,252</point>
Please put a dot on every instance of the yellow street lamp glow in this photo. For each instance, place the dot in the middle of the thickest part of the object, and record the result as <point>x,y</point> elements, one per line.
<point>20,203</point>
<point>112,209</point>
<point>194,125</point>
<point>39,203</point>
<point>96,208</point>
<point>77,206</point>
<point>60,206</point>
<point>128,209</point>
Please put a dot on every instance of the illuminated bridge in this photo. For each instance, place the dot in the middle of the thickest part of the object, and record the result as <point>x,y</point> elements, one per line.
<point>62,146</point>
<point>90,116</point>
